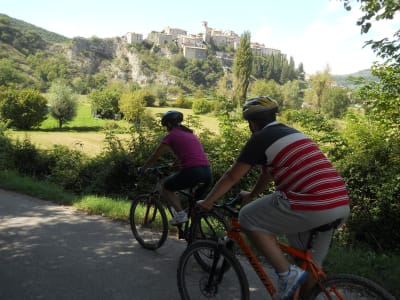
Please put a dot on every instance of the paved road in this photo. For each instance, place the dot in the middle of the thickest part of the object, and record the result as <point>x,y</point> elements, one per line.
<point>51,252</point>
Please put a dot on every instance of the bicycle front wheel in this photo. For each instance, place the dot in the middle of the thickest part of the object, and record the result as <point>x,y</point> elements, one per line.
<point>347,287</point>
<point>224,280</point>
<point>148,221</point>
<point>208,225</point>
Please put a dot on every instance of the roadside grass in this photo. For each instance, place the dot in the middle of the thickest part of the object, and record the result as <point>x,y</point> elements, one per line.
<point>381,268</point>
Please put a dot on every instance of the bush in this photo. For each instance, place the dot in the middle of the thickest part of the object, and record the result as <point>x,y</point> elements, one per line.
<point>202,106</point>
<point>23,109</point>
<point>67,167</point>
<point>28,160</point>
<point>371,170</point>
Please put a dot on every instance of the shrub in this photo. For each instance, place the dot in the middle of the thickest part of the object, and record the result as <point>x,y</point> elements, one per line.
<point>23,109</point>
<point>202,106</point>
<point>67,167</point>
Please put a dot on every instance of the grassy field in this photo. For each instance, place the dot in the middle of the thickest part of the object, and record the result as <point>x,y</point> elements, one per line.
<point>86,133</point>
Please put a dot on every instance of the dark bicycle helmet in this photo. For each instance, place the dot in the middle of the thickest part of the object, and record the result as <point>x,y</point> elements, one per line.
<point>260,108</point>
<point>173,117</point>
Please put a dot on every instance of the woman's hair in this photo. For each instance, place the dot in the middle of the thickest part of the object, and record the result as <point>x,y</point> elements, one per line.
<point>184,128</point>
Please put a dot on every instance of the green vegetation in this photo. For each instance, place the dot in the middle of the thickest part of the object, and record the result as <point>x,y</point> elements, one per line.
<point>357,126</point>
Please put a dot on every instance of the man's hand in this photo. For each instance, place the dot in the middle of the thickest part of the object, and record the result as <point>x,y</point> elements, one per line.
<point>245,196</point>
<point>206,205</point>
<point>142,170</point>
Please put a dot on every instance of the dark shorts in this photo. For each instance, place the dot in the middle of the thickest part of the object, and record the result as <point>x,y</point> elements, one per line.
<point>190,177</point>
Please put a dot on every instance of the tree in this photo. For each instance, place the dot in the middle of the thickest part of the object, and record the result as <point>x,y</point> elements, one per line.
<point>291,93</point>
<point>335,101</point>
<point>267,88</point>
<point>319,83</point>
<point>376,10</point>
<point>22,109</point>
<point>63,103</point>
<point>105,102</point>
<point>242,66</point>
<point>132,105</point>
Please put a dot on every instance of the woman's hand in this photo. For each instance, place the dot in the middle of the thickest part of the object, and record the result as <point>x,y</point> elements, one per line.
<point>206,205</point>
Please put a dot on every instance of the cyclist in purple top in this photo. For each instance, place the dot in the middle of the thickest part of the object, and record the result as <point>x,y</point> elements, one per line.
<point>194,165</point>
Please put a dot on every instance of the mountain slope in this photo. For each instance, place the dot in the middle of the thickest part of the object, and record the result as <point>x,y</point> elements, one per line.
<point>23,27</point>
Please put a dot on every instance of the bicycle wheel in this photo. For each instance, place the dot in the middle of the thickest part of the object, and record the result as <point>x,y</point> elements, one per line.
<point>225,279</point>
<point>148,221</point>
<point>207,225</point>
<point>348,286</point>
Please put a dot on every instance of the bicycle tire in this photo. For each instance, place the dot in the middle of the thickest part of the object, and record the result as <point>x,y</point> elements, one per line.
<point>207,226</point>
<point>196,283</point>
<point>350,287</point>
<point>148,220</point>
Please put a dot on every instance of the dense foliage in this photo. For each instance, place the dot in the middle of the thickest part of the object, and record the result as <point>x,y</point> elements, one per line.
<point>22,109</point>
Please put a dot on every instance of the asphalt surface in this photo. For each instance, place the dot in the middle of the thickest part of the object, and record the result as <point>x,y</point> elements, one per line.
<point>48,251</point>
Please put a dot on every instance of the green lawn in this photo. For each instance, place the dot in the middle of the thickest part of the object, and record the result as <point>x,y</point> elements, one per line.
<point>87,133</point>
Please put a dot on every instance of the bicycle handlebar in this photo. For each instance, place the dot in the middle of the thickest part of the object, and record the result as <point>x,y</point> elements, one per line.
<point>159,170</point>
<point>229,206</point>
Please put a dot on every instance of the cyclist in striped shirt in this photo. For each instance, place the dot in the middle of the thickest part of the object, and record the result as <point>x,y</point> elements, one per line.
<point>309,191</point>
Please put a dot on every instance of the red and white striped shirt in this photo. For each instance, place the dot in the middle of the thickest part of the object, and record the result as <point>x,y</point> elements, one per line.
<point>299,168</point>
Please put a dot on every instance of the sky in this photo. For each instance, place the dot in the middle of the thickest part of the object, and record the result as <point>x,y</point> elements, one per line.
<point>317,33</point>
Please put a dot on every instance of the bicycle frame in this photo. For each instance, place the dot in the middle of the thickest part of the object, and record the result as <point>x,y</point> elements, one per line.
<point>189,195</point>
<point>307,263</point>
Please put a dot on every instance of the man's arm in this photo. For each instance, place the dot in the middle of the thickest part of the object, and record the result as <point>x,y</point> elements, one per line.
<point>224,184</point>
<point>263,180</point>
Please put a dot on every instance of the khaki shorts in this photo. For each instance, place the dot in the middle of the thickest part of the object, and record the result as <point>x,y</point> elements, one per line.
<point>272,214</point>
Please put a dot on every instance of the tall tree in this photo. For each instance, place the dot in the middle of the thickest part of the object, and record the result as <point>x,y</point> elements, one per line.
<point>319,83</point>
<point>63,102</point>
<point>242,66</point>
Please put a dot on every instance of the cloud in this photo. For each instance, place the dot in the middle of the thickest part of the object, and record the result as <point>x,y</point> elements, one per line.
<point>332,39</point>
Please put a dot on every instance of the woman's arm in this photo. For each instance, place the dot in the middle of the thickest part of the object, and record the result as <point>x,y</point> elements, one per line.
<point>156,155</point>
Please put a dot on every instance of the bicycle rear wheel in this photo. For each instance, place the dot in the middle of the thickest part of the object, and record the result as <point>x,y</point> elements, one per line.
<point>348,286</point>
<point>148,221</point>
<point>225,279</point>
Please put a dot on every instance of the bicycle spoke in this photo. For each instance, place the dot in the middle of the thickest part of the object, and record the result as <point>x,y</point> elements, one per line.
<point>217,282</point>
<point>148,222</point>
<point>348,286</point>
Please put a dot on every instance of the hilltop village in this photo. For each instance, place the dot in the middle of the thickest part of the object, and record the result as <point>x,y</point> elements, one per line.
<point>195,45</point>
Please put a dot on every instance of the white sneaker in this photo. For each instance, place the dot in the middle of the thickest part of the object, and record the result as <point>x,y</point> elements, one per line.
<point>289,283</point>
<point>180,217</point>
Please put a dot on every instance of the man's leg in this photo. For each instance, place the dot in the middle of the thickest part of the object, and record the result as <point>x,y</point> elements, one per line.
<point>267,244</point>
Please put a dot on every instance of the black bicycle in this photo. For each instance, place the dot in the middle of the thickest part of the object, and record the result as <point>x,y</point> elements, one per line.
<point>148,215</point>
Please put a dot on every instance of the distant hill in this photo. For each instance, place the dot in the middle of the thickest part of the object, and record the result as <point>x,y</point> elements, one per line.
<point>23,27</point>
<point>345,80</point>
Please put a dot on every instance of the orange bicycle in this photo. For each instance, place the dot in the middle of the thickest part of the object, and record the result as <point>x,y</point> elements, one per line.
<point>223,276</point>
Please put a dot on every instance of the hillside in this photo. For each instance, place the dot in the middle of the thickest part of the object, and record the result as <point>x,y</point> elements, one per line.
<point>345,80</point>
<point>40,55</point>
<point>24,27</point>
